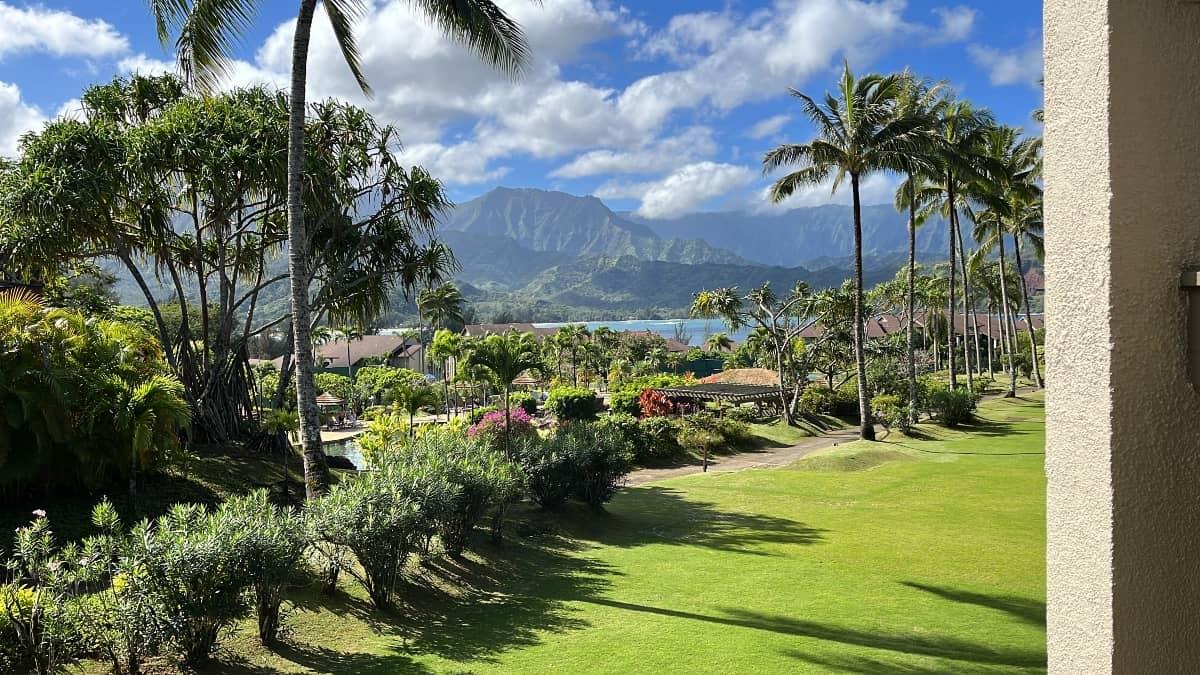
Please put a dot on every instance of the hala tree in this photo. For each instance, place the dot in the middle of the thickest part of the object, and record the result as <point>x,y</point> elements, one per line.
<point>207,32</point>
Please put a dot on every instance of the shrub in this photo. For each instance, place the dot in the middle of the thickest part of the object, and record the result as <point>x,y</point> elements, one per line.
<point>744,413</point>
<point>573,404</point>
<point>655,404</point>
<point>526,402</point>
<point>951,407</point>
<point>625,430</point>
<point>661,442</point>
<point>549,468</point>
<point>586,461</point>
<point>624,401</point>
<point>490,429</point>
<point>194,562</point>
<point>274,550</point>
<point>700,439</point>
<point>815,401</point>
<point>845,403</point>
<point>601,460</point>
<point>378,519</point>
<point>478,413</point>
<point>890,411</point>
<point>34,630</point>
<point>730,433</point>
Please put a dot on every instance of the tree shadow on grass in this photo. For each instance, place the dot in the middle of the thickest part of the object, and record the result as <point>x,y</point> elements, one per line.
<point>920,645</point>
<point>652,514</point>
<point>848,663</point>
<point>472,609</point>
<point>1030,611</point>
<point>322,660</point>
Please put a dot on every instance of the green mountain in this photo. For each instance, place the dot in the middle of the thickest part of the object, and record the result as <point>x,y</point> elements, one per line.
<point>804,235</point>
<point>557,222</point>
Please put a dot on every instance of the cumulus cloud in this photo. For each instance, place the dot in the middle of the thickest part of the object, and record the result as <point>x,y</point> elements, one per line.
<point>956,23</point>
<point>769,126</point>
<point>40,30</point>
<point>16,118</point>
<point>694,143</point>
<point>681,191</point>
<point>1012,66</point>
<point>877,188</point>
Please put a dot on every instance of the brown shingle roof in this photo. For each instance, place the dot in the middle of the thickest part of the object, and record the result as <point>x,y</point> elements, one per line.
<point>383,346</point>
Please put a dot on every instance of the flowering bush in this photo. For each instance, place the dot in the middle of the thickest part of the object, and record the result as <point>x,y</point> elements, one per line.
<point>492,425</point>
<point>655,404</point>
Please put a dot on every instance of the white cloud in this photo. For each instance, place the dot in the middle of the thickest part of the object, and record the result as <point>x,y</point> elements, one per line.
<point>16,118</point>
<point>38,29</point>
<point>769,126</point>
<point>956,23</point>
<point>1015,66</point>
<point>681,191</point>
<point>693,144</point>
<point>877,188</point>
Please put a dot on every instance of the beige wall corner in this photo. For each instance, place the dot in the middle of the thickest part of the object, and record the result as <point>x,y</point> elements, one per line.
<point>1123,422</point>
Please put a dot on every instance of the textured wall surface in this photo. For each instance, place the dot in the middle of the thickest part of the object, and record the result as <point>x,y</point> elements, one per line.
<point>1123,422</point>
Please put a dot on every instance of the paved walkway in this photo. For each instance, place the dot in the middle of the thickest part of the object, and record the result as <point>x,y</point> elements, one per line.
<point>754,459</point>
<point>771,457</point>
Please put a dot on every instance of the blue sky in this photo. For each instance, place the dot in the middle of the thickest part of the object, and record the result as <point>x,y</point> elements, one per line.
<point>658,107</point>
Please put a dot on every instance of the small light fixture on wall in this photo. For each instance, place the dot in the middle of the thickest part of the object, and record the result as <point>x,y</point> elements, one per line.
<point>1189,281</point>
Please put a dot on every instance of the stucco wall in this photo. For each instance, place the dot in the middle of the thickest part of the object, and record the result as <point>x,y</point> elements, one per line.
<point>1123,422</point>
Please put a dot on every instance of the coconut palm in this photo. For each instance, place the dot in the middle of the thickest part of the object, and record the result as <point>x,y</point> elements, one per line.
<point>206,32</point>
<point>569,339</point>
<point>446,345</point>
<point>858,134</point>
<point>719,342</point>
<point>1026,226</point>
<point>960,160</point>
<point>442,306</point>
<point>918,101</point>
<point>503,358</point>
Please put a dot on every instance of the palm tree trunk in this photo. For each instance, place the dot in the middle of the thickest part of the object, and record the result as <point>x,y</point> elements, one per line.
<point>966,288</point>
<point>1012,368</point>
<point>866,425</point>
<point>991,340</point>
<point>1033,353</point>
<point>785,409</point>
<point>911,298</point>
<point>950,304</point>
<point>507,424</point>
<point>316,471</point>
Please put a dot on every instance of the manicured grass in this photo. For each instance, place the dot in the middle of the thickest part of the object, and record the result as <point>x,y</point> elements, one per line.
<point>779,435</point>
<point>920,554</point>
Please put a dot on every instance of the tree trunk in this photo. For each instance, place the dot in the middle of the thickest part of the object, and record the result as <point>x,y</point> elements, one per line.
<point>507,425</point>
<point>786,409</point>
<point>950,304</point>
<point>966,289</point>
<point>1033,353</point>
<point>991,340</point>
<point>316,471</point>
<point>911,299</point>
<point>866,426</point>
<point>1012,368</point>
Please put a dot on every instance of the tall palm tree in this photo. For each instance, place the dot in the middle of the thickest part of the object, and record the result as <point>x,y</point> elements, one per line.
<point>919,101</point>
<point>569,338</point>
<point>1026,226</point>
<point>719,342</point>
<point>442,306</point>
<point>349,333</point>
<point>960,160</point>
<point>208,30</point>
<point>503,358</point>
<point>446,345</point>
<point>858,134</point>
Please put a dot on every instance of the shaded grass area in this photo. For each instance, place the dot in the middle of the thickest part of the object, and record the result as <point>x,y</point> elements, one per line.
<point>918,554</point>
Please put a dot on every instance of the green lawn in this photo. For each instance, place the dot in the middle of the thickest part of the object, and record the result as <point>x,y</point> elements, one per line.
<point>914,555</point>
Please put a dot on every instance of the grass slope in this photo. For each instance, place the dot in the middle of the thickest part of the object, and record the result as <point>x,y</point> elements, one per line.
<point>920,554</point>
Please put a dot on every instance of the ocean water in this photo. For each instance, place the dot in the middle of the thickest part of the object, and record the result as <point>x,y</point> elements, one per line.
<point>697,330</point>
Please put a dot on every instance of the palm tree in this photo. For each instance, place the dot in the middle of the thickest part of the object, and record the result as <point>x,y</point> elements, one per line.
<point>446,345</point>
<point>858,135</point>
<point>960,160</point>
<point>442,306</point>
<point>719,342</point>
<point>207,33</point>
<point>412,399</point>
<point>149,415</point>
<point>568,339</point>
<point>1026,225</point>
<point>917,101</point>
<point>503,358</point>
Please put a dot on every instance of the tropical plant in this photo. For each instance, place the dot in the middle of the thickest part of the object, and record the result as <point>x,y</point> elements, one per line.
<point>446,345</point>
<point>411,400</point>
<point>858,134</point>
<point>572,404</point>
<point>207,33</point>
<point>719,342</point>
<point>502,358</point>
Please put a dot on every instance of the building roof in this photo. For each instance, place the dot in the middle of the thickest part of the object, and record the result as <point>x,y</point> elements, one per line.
<point>734,393</point>
<point>750,376</point>
<point>333,353</point>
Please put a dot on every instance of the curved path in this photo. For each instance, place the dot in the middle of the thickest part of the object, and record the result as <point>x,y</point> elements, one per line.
<point>753,459</point>
<point>770,457</point>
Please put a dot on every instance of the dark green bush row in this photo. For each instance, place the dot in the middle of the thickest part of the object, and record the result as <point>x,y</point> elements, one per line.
<point>583,461</point>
